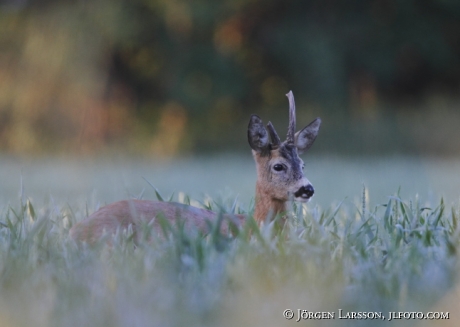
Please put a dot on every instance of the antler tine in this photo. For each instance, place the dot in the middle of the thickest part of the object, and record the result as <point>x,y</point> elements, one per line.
<point>291,130</point>
<point>273,135</point>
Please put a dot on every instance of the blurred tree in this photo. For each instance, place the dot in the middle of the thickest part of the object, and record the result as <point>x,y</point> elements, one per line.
<point>89,74</point>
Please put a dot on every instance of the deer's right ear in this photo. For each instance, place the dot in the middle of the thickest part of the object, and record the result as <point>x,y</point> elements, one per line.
<point>257,134</point>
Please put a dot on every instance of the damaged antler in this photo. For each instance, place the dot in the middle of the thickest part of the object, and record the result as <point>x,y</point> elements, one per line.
<point>291,131</point>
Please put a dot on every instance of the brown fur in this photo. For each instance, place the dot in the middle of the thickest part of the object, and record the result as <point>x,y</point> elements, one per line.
<point>272,191</point>
<point>135,213</point>
<point>274,188</point>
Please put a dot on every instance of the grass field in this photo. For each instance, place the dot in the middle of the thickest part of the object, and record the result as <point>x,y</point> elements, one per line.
<point>360,246</point>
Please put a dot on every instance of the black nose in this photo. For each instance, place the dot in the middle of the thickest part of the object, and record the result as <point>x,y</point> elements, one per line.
<point>305,192</point>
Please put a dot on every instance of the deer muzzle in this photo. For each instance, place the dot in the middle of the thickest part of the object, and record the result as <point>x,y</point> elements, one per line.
<point>304,193</point>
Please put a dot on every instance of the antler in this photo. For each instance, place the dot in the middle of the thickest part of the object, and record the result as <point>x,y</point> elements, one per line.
<point>291,130</point>
<point>273,135</point>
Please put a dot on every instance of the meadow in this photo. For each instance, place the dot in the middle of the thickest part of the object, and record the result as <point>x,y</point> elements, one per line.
<point>381,235</point>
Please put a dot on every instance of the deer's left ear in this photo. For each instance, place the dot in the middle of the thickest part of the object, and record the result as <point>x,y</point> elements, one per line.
<point>304,138</point>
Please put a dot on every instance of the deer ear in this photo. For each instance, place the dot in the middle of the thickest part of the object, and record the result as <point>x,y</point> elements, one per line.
<point>304,138</point>
<point>257,134</point>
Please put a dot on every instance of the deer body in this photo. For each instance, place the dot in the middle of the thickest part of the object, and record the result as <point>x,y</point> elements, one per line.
<point>280,178</point>
<point>125,213</point>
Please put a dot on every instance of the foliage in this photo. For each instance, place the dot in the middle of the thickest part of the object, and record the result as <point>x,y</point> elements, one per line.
<point>152,75</point>
<point>396,257</point>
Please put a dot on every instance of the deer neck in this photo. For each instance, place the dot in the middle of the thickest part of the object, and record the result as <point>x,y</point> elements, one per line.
<point>266,206</point>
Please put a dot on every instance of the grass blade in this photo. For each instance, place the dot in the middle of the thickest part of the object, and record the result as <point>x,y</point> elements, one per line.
<point>157,193</point>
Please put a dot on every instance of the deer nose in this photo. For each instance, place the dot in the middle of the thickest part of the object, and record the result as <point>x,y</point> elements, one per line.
<point>305,192</point>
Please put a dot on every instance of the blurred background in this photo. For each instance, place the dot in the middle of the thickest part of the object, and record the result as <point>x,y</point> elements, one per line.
<point>160,79</point>
<point>96,95</point>
<point>170,77</point>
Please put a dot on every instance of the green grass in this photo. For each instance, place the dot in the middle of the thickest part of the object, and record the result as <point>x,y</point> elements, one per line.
<point>395,257</point>
<point>352,255</point>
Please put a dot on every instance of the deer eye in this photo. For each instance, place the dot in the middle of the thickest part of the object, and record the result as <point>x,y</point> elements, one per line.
<point>278,167</point>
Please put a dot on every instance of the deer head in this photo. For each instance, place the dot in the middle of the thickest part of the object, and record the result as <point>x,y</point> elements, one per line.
<point>280,175</point>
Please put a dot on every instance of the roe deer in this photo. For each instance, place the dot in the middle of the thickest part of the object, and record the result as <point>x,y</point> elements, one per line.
<point>280,178</point>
